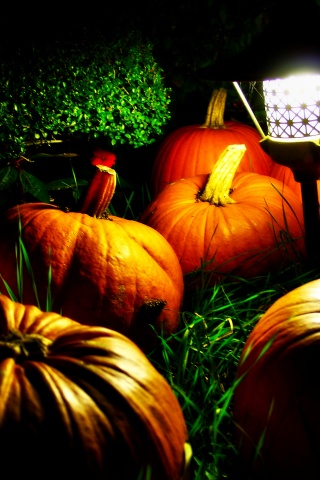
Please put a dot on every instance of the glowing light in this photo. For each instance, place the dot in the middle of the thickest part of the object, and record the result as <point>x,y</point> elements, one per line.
<point>293,108</point>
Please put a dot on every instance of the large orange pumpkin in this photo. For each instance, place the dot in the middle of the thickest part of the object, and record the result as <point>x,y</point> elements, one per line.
<point>82,402</point>
<point>253,230</point>
<point>277,395</point>
<point>105,271</point>
<point>193,150</point>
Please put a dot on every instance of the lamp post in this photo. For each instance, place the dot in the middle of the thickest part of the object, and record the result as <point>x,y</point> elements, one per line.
<point>292,107</point>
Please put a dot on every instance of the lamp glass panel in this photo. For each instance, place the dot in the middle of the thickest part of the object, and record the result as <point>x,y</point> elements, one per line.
<point>293,107</point>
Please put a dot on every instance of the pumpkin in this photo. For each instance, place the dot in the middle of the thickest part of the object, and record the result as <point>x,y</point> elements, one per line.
<point>285,175</point>
<point>277,394</point>
<point>103,270</point>
<point>82,402</point>
<point>194,149</point>
<point>229,223</point>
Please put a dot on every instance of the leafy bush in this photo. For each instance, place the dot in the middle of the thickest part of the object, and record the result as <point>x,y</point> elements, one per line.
<point>90,88</point>
<point>71,92</point>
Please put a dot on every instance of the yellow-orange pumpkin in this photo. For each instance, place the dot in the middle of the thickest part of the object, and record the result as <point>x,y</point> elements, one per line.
<point>105,271</point>
<point>194,149</point>
<point>82,402</point>
<point>277,394</point>
<point>254,230</point>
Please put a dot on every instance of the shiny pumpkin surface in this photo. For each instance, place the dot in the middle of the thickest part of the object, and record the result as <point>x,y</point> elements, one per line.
<point>194,149</point>
<point>111,272</point>
<point>249,237</point>
<point>82,402</point>
<point>276,401</point>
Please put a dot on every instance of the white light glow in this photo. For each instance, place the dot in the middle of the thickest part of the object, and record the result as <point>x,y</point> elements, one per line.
<point>293,107</point>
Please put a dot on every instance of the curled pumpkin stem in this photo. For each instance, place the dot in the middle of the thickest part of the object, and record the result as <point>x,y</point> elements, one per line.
<point>216,108</point>
<point>100,192</point>
<point>218,187</point>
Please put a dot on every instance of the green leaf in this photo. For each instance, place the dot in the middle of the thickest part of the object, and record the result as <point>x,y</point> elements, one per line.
<point>65,183</point>
<point>8,176</point>
<point>33,185</point>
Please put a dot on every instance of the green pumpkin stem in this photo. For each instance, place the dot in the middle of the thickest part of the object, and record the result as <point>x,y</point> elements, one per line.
<point>218,188</point>
<point>216,108</point>
<point>100,192</point>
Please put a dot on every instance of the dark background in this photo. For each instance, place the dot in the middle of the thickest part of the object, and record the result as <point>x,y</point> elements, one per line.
<point>195,42</point>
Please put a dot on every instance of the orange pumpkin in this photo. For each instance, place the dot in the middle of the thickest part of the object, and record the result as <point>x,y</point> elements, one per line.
<point>82,402</point>
<point>251,231</point>
<point>277,394</point>
<point>105,271</point>
<point>194,149</point>
<point>285,176</point>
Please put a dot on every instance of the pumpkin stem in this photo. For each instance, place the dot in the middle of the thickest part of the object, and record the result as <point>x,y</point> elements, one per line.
<point>22,346</point>
<point>216,108</point>
<point>218,187</point>
<point>100,192</point>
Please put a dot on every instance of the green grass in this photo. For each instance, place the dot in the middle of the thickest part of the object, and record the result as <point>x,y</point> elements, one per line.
<point>200,360</point>
<point>200,363</point>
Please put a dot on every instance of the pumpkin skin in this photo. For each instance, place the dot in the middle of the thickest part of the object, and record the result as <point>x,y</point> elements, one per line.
<point>237,239</point>
<point>277,392</point>
<point>285,176</point>
<point>111,272</point>
<point>194,149</point>
<point>82,402</point>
